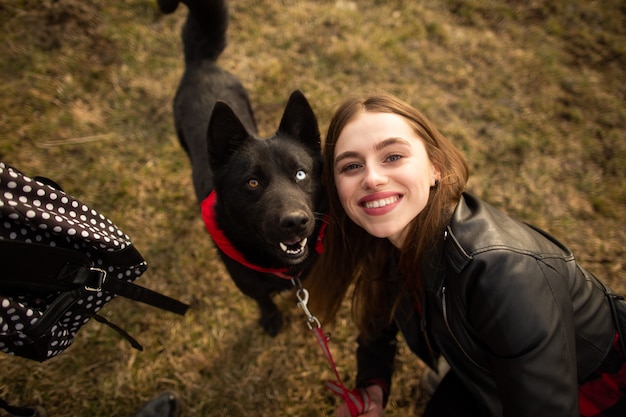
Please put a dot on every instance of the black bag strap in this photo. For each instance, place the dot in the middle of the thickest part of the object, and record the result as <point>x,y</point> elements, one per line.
<point>41,268</point>
<point>17,411</point>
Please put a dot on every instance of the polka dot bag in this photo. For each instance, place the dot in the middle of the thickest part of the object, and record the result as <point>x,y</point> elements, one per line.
<point>60,263</point>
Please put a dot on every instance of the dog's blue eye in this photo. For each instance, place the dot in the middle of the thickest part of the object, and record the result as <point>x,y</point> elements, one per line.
<point>253,183</point>
<point>300,175</point>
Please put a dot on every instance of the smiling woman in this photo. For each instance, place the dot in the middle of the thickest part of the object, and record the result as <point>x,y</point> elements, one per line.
<point>502,302</point>
<point>383,174</point>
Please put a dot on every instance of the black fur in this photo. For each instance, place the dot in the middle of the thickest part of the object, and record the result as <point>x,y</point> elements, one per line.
<point>268,190</point>
<point>203,83</point>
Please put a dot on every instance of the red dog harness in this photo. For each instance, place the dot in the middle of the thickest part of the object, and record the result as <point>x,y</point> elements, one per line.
<point>222,242</point>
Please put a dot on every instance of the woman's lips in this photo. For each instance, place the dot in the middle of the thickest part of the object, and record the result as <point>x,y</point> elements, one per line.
<point>380,203</point>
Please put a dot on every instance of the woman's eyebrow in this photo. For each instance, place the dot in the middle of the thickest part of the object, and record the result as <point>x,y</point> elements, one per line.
<point>389,142</point>
<point>346,155</point>
<point>377,147</point>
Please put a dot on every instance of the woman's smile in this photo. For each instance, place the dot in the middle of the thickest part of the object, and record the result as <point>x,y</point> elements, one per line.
<point>376,201</point>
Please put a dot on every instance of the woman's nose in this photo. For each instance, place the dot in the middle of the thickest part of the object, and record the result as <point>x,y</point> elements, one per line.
<point>373,178</point>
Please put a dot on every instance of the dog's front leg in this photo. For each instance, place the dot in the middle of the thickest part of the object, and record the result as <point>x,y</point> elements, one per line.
<point>271,318</point>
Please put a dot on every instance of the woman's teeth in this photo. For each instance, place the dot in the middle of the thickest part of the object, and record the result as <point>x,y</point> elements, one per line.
<point>381,203</point>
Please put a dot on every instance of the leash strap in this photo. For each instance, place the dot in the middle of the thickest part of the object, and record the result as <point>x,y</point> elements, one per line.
<point>357,400</point>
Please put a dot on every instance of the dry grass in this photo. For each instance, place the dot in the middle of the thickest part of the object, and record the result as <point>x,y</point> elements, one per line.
<point>533,92</point>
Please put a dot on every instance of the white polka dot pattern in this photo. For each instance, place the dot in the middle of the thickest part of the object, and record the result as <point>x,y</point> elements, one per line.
<point>33,212</point>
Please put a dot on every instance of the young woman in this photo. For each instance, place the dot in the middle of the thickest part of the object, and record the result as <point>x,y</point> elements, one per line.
<point>526,331</point>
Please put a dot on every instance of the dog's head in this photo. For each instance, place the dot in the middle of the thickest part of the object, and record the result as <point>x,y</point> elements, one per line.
<point>268,190</point>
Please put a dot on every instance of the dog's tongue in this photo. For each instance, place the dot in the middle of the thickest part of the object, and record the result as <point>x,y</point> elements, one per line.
<point>292,241</point>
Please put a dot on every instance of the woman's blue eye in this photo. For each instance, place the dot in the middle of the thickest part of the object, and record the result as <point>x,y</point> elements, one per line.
<point>349,167</point>
<point>393,158</point>
<point>300,175</point>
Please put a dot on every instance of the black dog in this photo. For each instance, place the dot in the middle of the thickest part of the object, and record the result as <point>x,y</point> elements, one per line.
<point>261,198</point>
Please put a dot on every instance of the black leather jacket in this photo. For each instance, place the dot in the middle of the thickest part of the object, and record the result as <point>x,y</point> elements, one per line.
<point>519,321</point>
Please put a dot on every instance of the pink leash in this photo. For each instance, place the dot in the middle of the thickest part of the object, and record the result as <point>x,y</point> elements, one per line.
<point>358,399</point>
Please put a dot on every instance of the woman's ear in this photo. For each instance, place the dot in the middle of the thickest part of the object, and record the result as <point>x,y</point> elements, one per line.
<point>436,176</point>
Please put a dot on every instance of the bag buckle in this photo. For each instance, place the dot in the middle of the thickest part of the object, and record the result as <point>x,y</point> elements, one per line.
<point>95,279</point>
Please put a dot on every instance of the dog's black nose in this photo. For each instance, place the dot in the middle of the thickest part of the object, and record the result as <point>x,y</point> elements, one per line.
<point>294,221</point>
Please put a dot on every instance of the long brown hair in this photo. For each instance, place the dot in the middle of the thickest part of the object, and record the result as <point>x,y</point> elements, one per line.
<point>353,256</point>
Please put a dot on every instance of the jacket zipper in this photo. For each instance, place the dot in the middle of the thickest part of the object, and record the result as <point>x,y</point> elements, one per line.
<point>445,319</point>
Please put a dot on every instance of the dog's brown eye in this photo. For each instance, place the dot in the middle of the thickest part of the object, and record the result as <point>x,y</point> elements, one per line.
<point>253,183</point>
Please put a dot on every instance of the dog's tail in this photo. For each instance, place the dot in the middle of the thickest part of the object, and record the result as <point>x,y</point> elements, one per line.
<point>204,33</point>
<point>168,6</point>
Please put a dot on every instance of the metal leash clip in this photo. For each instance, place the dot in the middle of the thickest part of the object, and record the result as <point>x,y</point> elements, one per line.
<point>303,300</point>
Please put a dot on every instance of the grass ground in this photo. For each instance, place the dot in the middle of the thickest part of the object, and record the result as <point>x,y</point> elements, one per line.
<point>532,91</point>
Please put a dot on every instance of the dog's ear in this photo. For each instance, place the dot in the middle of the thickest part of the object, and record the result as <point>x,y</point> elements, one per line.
<point>299,122</point>
<point>224,135</point>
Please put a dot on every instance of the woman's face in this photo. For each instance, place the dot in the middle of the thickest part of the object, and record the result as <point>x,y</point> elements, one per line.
<point>383,174</point>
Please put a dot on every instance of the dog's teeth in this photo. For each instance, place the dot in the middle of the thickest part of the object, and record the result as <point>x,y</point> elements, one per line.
<point>293,249</point>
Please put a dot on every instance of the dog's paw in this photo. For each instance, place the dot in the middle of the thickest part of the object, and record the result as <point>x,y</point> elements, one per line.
<point>272,322</point>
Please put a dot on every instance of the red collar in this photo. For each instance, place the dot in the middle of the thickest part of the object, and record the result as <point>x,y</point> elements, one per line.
<point>222,242</point>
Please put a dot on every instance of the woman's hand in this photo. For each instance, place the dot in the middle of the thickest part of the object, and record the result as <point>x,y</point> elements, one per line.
<point>375,409</point>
